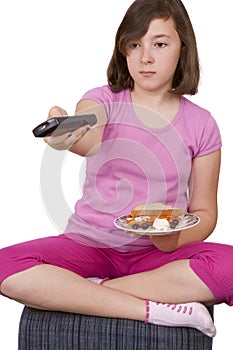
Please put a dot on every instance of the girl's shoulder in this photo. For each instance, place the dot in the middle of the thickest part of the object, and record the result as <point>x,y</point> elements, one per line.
<point>199,129</point>
<point>194,116</point>
<point>104,94</point>
<point>195,110</point>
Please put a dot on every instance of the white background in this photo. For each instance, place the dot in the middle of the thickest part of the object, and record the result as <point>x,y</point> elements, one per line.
<point>51,53</point>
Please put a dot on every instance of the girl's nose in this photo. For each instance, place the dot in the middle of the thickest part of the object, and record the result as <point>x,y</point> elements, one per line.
<point>147,57</point>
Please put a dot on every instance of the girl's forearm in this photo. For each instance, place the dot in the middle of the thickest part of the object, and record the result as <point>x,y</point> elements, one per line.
<point>196,233</point>
<point>88,144</point>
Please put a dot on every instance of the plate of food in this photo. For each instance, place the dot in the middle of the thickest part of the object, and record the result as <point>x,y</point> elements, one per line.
<point>156,219</point>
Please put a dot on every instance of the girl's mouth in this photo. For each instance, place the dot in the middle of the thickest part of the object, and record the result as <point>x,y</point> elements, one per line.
<point>147,73</point>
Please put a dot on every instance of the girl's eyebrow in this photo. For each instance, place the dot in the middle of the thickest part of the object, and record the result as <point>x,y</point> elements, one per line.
<point>157,36</point>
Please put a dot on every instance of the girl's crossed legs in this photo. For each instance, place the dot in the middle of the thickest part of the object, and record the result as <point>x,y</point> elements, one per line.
<point>46,274</point>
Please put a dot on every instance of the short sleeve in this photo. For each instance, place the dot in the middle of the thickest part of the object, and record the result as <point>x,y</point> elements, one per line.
<point>210,138</point>
<point>101,95</point>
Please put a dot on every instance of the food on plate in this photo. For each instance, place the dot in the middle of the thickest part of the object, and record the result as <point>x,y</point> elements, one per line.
<point>154,215</point>
<point>155,209</point>
<point>161,224</point>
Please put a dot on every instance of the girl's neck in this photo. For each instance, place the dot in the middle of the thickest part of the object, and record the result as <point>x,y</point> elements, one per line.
<point>166,104</point>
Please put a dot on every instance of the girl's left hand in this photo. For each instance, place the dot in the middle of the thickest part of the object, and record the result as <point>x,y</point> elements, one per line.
<point>166,243</point>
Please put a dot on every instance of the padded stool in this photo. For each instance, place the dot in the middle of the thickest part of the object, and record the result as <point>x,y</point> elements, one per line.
<point>51,330</point>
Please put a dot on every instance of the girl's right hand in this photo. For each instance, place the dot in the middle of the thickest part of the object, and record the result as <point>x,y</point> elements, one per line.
<point>64,141</point>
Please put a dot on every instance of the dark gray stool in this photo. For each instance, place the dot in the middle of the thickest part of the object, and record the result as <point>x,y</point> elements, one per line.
<point>45,330</point>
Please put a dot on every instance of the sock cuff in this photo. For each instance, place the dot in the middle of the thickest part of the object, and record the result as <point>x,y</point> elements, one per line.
<point>103,280</point>
<point>147,311</point>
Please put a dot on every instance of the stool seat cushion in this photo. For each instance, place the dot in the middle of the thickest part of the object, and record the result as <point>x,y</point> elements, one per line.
<point>50,330</point>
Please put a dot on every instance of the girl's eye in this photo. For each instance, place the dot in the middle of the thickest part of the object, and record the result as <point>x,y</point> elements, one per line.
<point>134,46</point>
<point>160,45</point>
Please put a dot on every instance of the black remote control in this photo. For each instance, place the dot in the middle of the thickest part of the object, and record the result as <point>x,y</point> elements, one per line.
<point>60,125</point>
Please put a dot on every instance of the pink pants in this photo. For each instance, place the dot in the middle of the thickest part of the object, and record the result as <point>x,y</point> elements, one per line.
<point>212,262</point>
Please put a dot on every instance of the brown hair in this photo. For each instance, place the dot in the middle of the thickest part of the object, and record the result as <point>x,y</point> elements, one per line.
<point>135,25</point>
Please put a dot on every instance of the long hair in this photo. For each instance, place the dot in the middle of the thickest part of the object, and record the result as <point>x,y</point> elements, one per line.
<point>134,26</point>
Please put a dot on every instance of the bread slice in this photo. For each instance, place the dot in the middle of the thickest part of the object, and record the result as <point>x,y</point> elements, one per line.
<point>155,209</point>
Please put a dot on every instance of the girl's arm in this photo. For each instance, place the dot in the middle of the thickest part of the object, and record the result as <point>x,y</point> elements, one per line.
<point>91,141</point>
<point>84,141</point>
<point>203,202</point>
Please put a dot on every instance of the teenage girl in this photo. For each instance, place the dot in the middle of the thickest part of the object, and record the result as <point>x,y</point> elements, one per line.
<point>150,144</point>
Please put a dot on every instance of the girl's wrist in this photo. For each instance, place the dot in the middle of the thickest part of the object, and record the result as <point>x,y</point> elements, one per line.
<point>166,243</point>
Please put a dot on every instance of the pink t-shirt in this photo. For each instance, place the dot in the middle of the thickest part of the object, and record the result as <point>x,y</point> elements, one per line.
<point>138,164</point>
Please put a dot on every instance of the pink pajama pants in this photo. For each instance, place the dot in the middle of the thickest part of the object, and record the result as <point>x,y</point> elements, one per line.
<point>212,262</point>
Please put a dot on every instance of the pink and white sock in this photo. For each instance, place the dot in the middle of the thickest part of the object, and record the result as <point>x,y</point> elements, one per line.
<point>97,280</point>
<point>194,315</point>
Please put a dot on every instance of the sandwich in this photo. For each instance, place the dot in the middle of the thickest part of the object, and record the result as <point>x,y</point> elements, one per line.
<point>154,215</point>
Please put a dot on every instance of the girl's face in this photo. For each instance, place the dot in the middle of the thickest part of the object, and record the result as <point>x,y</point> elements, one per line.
<point>152,60</point>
